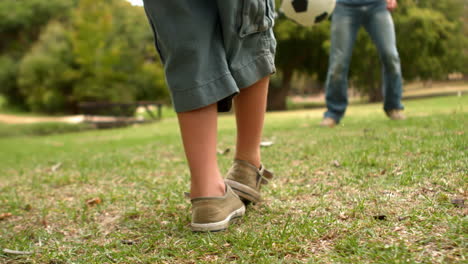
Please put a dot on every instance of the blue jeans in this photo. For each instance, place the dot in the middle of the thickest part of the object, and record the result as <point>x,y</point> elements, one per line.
<point>378,22</point>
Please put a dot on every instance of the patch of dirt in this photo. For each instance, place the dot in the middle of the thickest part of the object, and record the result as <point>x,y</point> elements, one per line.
<point>13,119</point>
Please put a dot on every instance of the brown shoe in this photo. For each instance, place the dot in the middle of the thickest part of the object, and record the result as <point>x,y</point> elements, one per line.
<point>328,122</point>
<point>395,114</point>
<point>246,180</point>
<point>211,214</point>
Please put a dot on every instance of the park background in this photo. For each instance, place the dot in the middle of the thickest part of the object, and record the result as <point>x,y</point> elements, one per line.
<point>55,54</point>
<point>369,191</point>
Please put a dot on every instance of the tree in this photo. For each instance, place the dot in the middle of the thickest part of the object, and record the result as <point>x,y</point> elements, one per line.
<point>431,36</point>
<point>46,73</point>
<point>300,50</point>
<point>20,25</point>
<point>430,40</point>
<point>104,52</point>
<point>111,42</point>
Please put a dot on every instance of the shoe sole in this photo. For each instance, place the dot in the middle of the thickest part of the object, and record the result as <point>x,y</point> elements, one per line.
<point>218,226</point>
<point>244,192</point>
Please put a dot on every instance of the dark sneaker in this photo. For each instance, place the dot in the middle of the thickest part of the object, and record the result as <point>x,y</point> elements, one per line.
<point>246,180</point>
<point>395,114</point>
<point>328,122</point>
<point>211,214</point>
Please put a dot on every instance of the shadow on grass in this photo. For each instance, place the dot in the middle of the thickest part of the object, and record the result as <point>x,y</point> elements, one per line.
<point>41,129</point>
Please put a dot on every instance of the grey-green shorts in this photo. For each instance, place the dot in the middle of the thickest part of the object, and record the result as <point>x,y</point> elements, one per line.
<point>212,48</point>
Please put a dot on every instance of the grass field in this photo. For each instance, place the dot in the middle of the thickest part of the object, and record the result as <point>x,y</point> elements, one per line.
<point>369,191</point>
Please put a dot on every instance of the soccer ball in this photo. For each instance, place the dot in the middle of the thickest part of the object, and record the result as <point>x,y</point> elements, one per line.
<point>308,12</point>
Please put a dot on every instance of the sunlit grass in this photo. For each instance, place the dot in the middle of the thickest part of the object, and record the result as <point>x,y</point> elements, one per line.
<point>369,191</point>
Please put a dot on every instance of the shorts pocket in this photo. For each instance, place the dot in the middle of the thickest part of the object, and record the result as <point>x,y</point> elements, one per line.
<point>257,16</point>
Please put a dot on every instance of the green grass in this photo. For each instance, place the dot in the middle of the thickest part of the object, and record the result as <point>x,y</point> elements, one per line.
<point>368,191</point>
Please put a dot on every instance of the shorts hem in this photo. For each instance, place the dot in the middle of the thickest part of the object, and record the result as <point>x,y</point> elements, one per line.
<point>205,95</point>
<point>252,72</point>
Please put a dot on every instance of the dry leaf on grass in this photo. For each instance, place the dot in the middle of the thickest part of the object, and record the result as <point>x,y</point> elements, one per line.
<point>56,167</point>
<point>127,242</point>
<point>376,174</point>
<point>458,202</point>
<point>224,152</point>
<point>44,222</point>
<point>16,252</point>
<point>402,218</point>
<point>343,216</point>
<point>5,216</point>
<point>94,201</point>
<point>320,173</point>
<point>380,217</point>
<point>266,143</point>
<point>336,163</point>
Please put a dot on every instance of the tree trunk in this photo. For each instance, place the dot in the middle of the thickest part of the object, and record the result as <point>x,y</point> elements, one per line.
<point>277,95</point>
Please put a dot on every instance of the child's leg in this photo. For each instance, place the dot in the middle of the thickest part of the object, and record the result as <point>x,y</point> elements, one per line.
<point>199,135</point>
<point>250,106</point>
<point>247,174</point>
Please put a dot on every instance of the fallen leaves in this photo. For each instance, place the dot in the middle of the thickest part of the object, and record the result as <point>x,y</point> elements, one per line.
<point>343,216</point>
<point>224,152</point>
<point>5,216</point>
<point>94,201</point>
<point>127,242</point>
<point>56,167</point>
<point>266,143</point>
<point>376,174</point>
<point>398,170</point>
<point>336,163</point>
<point>380,217</point>
<point>16,252</point>
<point>458,202</point>
<point>44,222</point>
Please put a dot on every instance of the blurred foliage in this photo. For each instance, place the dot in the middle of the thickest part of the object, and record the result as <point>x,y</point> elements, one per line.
<point>20,26</point>
<point>112,44</point>
<point>57,53</point>
<point>431,37</point>
<point>98,51</point>
<point>45,73</point>
<point>22,21</point>
<point>430,41</point>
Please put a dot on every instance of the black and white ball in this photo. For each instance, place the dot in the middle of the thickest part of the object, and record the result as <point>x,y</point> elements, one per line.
<point>308,12</point>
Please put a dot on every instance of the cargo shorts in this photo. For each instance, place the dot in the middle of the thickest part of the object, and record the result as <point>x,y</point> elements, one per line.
<point>211,49</point>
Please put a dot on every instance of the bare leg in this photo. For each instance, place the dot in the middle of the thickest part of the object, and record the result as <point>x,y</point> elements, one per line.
<point>250,106</point>
<point>199,136</point>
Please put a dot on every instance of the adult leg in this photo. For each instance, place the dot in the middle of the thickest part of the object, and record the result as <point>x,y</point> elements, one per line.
<point>250,106</point>
<point>344,28</point>
<point>382,31</point>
